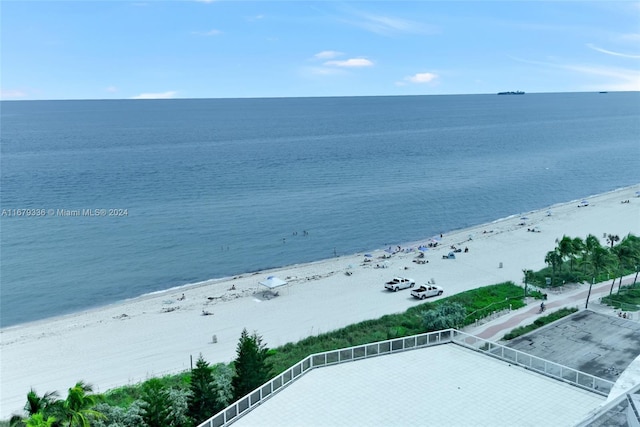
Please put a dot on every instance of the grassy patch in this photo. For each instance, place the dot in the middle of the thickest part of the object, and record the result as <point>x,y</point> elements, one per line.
<point>126,395</point>
<point>628,299</point>
<point>478,303</point>
<point>539,322</point>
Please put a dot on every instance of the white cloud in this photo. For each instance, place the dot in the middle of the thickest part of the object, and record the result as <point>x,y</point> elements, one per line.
<point>327,54</point>
<point>350,63</point>
<point>111,89</point>
<point>609,52</point>
<point>12,94</point>
<point>421,78</point>
<point>162,95</point>
<point>209,33</point>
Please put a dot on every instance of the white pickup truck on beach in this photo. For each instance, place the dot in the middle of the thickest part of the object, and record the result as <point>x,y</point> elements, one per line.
<point>399,283</point>
<point>426,291</point>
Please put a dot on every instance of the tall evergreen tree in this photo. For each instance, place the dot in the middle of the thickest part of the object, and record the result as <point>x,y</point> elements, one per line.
<point>155,403</point>
<point>202,401</point>
<point>251,366</point>
<point>163,406</point>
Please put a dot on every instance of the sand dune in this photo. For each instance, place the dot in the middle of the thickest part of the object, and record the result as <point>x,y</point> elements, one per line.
<point>157,334</point>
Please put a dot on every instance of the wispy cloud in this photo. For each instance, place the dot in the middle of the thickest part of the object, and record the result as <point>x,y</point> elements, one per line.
<point>631,37</point>
<point>622,79</point>
<point>12,94</point>
<point>209,33</point>
<point>350,63</point>
<point>161,95</point>
<point>327,54</point>
<point>610,52</point>
<point>619,78</point>
<point>111,89</point>
<point>387,25</point>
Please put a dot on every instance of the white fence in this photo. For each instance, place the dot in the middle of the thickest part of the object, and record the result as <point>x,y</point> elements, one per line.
<point>259,395</point>
<point>546,367</point>
<point>555,370</point>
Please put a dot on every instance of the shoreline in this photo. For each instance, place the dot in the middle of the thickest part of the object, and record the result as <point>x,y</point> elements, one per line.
<point>215,281</point>
<point>155,334</point>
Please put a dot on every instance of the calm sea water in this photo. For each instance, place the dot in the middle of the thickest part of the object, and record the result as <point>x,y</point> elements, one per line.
<point>212,187</point>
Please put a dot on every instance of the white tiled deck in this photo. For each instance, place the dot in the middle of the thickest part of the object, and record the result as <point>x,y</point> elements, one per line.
<point>446,385</point>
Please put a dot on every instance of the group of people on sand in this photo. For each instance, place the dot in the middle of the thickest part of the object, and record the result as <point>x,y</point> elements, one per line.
<point>623,315</point>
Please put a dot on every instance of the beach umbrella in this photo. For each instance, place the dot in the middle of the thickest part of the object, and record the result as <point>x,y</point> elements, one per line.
<point>637,193</point>
<point>368,255</point>
<point>389,250</point>
<point>525,217</point>
<point>423,248</point>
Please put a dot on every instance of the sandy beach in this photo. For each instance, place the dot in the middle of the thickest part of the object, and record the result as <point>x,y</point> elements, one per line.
<point>157,334</point>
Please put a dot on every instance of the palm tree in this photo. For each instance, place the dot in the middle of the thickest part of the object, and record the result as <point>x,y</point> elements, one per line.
<point>78,405</point>
<point>578,248</point>
<point>565,249</point>
<point>627,255</point>
<point>42,403</point>
<point>590,245</point>
<point>612,239</point>
<point>38,420</point>
<point>599,259</point>
<point>44,406</point>
<point>553,259</point>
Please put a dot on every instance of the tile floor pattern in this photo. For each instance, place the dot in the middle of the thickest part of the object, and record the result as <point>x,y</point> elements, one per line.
<point>445,385</point>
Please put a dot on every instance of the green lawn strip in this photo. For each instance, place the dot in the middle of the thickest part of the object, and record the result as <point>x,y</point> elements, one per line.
<point>124,396</point>
<point>539,322</point>
<point>628,299</point>
<point>479,303</point>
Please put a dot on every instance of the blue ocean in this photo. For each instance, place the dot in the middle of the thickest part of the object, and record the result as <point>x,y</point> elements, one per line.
<point>108,200</point>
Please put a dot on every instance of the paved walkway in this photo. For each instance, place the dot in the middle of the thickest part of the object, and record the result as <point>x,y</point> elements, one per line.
<point>576,297</point>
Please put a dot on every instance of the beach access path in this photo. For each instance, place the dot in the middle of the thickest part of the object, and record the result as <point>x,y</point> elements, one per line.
<point>163,333</point>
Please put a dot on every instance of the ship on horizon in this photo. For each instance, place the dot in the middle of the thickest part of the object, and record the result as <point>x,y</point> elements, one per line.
<point>518,92</point>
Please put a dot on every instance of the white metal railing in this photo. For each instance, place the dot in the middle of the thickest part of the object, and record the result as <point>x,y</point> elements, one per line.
<point>259,395</point>
<point>546,367</point>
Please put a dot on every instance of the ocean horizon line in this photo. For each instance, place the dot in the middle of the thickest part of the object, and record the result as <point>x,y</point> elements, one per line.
<point>305,97</point>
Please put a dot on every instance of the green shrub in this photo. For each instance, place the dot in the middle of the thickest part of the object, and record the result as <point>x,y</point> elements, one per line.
<point>539,322</point>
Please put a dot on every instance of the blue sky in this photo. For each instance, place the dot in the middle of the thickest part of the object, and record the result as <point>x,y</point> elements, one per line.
<point>236,49</point>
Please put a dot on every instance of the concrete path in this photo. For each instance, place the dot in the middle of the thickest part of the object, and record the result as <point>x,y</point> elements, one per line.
<point>576,297</point>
